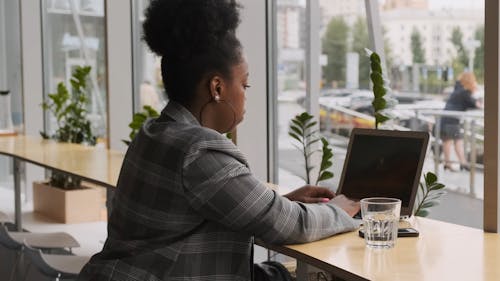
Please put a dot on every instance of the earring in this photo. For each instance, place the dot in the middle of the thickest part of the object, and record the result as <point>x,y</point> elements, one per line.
<point>218,110</point>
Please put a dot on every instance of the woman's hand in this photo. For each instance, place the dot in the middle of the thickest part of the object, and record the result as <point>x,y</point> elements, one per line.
<point>349,206</point>
<point>311,194</point>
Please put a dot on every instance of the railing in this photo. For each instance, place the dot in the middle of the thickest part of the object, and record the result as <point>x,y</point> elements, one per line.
<point>345,118</point>
<point>473,123</point>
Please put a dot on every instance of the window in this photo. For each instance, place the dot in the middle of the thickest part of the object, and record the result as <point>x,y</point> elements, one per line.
<point>420,82</point>
<point>74,35</point>
<point>427,83</point>
<point>344,80</point>
<point>148,85</point>
<point>11,108</point>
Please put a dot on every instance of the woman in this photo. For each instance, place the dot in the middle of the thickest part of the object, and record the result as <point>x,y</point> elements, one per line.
<point>460,100</point>
<point>186,205</point>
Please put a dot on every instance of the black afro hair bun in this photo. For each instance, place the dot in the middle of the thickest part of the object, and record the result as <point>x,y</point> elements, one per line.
<point>179,28</point>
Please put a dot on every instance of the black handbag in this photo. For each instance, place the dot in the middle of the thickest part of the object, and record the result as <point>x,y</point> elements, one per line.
<point>271,271</point>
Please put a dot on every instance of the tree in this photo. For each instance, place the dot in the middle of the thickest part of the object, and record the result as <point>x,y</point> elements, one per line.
<point>418,52</point>
<point>335,47</point>
<point>479,54</point>
<point>360,41</point>
<point>462,59</point>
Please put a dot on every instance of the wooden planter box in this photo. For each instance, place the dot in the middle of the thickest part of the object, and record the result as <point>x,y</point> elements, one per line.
<point>68,206</point>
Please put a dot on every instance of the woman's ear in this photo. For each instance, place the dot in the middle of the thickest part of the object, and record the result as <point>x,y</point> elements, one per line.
<point>216,87</point>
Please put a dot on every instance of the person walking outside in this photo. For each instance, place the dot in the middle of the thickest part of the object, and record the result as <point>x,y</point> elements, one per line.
<point>461,99</point>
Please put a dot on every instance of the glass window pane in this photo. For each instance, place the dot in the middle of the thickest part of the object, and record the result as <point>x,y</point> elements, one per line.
<point>291,85</point>
<point>428,45</point>
<point>74,35</point>
<point>148,85</point>
<point>427,60</point>
<point>11,108</point>
<point>344,81</point>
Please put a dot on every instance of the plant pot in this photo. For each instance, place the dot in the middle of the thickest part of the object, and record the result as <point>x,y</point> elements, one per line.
<point>68,206</point>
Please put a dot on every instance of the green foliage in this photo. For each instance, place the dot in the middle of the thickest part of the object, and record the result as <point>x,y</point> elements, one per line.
<point>326,162</point>
<point>379,91</point>
<point>334,45</point>
<point>428,195</point>
<point>64,181</point>
<point>479,54</point>
<point>418,52</point>
<point>360,40</point>
<point>302,129</point>
<point>456,39</point>
<point>70,111</point>
<point>138,119</point>
<point>434,84</point>
<point>461,61</point>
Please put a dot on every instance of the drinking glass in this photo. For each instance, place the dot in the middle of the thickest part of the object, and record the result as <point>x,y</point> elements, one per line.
<point>380,221</point>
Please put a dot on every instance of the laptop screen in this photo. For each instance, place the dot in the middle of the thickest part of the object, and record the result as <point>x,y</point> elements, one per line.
<point>381,163</point>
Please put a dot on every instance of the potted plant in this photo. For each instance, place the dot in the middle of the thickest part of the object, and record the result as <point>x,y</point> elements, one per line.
<point>304,130</point>
<point>429,195</point>
<point>63,197</point>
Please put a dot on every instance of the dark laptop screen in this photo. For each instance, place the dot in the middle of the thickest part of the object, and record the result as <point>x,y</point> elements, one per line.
<point>383,166</point>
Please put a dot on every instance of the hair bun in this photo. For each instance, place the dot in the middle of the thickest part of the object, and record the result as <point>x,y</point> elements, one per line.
<point>179,28</point>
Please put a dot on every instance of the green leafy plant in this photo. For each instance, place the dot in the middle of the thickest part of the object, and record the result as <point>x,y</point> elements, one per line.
<point>138,119</point>
<point>70,111</point>
<point>428,195</point>
<point>302,128</point>
<point>379,91</point>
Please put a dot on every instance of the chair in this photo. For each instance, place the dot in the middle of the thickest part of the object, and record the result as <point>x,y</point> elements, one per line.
<point>46,241</point>
<point>55,266</point>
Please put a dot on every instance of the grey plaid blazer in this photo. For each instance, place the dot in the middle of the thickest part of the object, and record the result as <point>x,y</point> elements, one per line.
<point>186,208</point>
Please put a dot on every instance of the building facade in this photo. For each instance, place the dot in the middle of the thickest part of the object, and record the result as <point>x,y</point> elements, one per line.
<point>435,28</point>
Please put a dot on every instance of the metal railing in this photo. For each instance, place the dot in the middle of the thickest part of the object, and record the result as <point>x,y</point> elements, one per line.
<point>472,121</point>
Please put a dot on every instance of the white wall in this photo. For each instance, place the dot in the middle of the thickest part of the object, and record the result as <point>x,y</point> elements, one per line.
<point>32,66</point>
<point>119,68</point>
<point>32,85</point>
<point>252,133</point>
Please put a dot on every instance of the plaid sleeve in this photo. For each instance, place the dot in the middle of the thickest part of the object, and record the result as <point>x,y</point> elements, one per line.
<point>222,189</point>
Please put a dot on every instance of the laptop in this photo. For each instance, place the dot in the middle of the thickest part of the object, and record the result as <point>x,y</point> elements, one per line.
<point>384,163</point>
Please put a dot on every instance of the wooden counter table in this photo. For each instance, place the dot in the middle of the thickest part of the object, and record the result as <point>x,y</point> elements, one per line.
<point>442,252</point>
<point>97,165</point>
